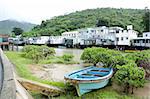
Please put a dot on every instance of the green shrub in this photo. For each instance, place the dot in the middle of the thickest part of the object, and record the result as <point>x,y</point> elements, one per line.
<point>47,51</point>
<point>37,52</point>
<point>142,59</point>
<point>67,57</point>
<point>130,76</point>
<point>110,58</point>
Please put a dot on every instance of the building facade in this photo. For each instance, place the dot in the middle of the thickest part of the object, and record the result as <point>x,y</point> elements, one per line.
<point>123,37</point>
<point>71,38</point>
<point>142,41</point>
<point>56,40</point>
<point>107,36</point>
<point>4,43</point>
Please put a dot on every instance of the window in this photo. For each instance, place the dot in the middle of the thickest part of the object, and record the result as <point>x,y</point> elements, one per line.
<point>146,35</point>
<point>92,30</point>
<point>5,39</point>
<point>127,38</point>
<point>146,41</point>
<point>143,41</point>
<point>117,31</point>
<point>122,38</point>
<point>138,41</point>
<point>117,38</point>
<point>102,30</point>
<point>134,41</point>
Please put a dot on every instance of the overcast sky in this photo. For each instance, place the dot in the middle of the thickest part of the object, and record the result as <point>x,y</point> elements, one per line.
<point>36,10</point>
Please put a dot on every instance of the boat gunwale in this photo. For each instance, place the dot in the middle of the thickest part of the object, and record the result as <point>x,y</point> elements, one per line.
<point>73,81</point>
<point>97,79</point>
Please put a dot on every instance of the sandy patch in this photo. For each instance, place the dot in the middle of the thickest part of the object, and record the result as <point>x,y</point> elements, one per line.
<point>144,92</point>
<point>53,72</point>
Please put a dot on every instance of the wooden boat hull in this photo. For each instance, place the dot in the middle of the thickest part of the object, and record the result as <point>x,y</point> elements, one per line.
<point>87,87</point>
<point>88,79</point>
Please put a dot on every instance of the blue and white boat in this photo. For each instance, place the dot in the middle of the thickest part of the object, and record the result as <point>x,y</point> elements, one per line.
<point>90,78</point>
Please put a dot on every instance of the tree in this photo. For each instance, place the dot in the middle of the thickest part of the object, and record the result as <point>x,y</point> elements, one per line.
<point>13,35</point>
<point>101,22</point>
<point>90,18</point>
<point>129,76</point>
<point>146,20</point>
<point>17,31</point>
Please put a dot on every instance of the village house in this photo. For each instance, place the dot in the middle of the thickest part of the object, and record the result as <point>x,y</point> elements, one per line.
<point>4,43</point>
<point>143,41</point>
<point>71,38</point>
<point>56,40</point>
<point>123,37</point>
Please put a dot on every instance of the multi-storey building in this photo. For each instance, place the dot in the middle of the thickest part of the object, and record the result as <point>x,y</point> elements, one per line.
<point>123,37</point>
<point>107,35</point>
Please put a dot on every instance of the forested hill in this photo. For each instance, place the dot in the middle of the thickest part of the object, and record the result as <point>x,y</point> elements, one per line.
<point>6,26</point>
<point>89,18</point>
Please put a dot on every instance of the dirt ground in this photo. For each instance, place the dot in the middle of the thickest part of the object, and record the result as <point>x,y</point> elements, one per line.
<point>144,92</point>
<point>53,72</point>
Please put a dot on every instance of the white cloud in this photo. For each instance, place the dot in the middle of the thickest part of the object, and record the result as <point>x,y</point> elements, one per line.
<point>37,10</point>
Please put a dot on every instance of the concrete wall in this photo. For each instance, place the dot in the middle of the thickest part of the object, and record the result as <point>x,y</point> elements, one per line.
<point>8,90</point>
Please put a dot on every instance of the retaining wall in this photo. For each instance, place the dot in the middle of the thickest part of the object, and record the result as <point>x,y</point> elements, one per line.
<point>8,87</point>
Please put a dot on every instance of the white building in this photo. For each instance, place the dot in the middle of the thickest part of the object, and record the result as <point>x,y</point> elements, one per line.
<point>107,35</point>
<point>38,40</point>
<point>42,40</point>
<point>56,40</point>
<point>142,41</point>
<point>146,34</point>
<point>123,37</point>
<point>91,36</point>
<point>73,35</point>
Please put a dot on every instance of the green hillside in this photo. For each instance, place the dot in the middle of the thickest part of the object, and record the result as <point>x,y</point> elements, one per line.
<point>6,26</point>
<point>89,18</point>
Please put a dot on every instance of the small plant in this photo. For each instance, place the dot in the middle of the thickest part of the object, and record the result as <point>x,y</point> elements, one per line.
<point>67,57</point>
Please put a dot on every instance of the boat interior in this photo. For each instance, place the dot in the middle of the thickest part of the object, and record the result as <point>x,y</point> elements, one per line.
<point>93,73</point>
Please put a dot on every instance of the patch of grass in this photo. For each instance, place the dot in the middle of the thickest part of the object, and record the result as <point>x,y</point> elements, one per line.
<point>57,59</point>
<point>21,64</point>
<point>36,95</point>
<point>105,93</point>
